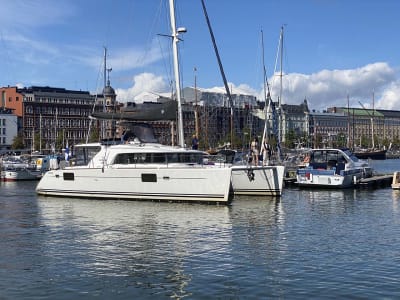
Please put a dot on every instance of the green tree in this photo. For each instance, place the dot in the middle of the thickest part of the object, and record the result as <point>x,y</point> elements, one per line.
<point>341,140</point>
<point>290,139</point>
<point>94,135</point>
<point>18,142</point>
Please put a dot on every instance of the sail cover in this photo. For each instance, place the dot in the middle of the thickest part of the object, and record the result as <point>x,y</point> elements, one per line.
<point>148,111</point>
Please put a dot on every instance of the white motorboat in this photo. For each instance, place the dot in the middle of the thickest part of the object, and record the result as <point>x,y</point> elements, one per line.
<point>138,170</point>
<point>332,168</point>
<point>18,169</point>
<point>248,179</point>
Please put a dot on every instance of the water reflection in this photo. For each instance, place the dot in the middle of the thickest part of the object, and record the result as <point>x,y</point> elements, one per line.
<point>146,245</point>
<point>306,244</point>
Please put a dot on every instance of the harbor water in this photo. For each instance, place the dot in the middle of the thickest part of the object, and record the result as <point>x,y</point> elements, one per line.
<point>307,244</point>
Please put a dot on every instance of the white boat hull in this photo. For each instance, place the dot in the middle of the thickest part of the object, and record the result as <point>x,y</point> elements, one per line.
<point>257,180</point>
<point>170,184</point>
<point>327,178</point>
<point>20,175</point>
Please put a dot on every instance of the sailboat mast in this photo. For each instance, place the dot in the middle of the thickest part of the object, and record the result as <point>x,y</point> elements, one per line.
<point>103,129</point>
<point>348,121</point>
<point>266,124</point>
<point>196,111</point>
<point>175,41</point>
<point>280,91</point>
<point>372,120</point>
<point>220,67</point>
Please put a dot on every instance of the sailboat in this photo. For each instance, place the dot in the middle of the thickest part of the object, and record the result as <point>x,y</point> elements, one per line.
<point>141,168</point>
<point>247,179</point>
<point>372,153</point>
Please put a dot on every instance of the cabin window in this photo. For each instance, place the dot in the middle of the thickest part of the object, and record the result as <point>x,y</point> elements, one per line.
<point>188,158</point>
<point>158,157</point>
<point>172,158</point>
<point>332,156</point>
<point>139,158</point>
<point>319,157</point>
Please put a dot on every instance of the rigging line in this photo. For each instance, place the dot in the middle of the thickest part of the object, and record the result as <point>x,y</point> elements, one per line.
<point>278,54</point>
<point>166,61</point>
<point>99,76</point>
<point>148,44</point>
<point>221,71</point>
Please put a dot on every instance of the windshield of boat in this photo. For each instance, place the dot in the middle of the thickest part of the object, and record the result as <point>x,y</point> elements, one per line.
<point>351,155</point>
<point>83,155</point>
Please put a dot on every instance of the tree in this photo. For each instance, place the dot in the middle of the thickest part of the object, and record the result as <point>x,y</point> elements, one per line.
<point>290,139</point>
<point>341,140</point>
<point>18,142</point>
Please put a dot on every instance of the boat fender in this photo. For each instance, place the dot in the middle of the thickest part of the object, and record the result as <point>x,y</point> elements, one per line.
<point>250,174</point>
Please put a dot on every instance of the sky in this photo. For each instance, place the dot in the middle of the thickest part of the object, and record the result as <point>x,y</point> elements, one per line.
<point>335,52</point>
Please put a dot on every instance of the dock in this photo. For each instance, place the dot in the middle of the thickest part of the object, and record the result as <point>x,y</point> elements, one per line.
<point>377,181</point>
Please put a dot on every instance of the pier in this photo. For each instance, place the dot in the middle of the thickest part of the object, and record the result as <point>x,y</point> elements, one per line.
<point>377,181</point>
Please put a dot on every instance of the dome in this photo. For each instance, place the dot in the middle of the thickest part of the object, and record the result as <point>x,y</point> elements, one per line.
<point>108,91</point>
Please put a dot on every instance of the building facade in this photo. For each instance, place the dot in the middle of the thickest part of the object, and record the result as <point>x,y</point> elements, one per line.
<point>8,128</point>
<point>51,117</point>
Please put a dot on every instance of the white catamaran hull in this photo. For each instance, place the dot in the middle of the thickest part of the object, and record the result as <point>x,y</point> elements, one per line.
<point>170,184</point>
<point>257,180</point>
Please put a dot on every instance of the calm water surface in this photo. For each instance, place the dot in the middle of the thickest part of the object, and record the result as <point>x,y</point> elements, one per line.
<point>307,244</point>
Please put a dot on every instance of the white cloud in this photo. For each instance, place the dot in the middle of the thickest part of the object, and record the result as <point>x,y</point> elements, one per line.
<point>142,84</point>
<point>390,98</point>
<point>243,89</point>
<point>330,87</point>
<point>324,89</point>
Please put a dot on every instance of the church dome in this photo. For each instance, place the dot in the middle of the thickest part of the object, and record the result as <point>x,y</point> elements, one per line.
<point>108,91</point>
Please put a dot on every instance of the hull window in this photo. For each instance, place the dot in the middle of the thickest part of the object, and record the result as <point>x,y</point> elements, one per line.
<point>149,178</point>
<point>68,176</point>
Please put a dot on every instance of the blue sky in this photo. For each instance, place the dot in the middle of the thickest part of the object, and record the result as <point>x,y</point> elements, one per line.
<point>332,48</point>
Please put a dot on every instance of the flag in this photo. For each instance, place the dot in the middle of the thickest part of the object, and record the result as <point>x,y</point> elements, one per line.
<point>66,152</point>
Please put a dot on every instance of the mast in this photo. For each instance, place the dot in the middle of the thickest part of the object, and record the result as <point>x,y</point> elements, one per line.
<point>40,133</point>
<point>220,67</point>
<point>266,124</point>
<point>175,41</point>
<point>280,92</point>
<point>271,110</point>
<point>103,129</point>
<point>196,111</point>
<point>348,121</point>
<point>372,119</point>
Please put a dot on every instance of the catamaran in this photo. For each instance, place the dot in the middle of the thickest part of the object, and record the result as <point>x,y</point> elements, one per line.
<point>141,168</point>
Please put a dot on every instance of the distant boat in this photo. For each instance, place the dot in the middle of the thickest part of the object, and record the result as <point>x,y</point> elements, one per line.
<point>371,154</point>
<point>332,168</point>
<point>17,169</point>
